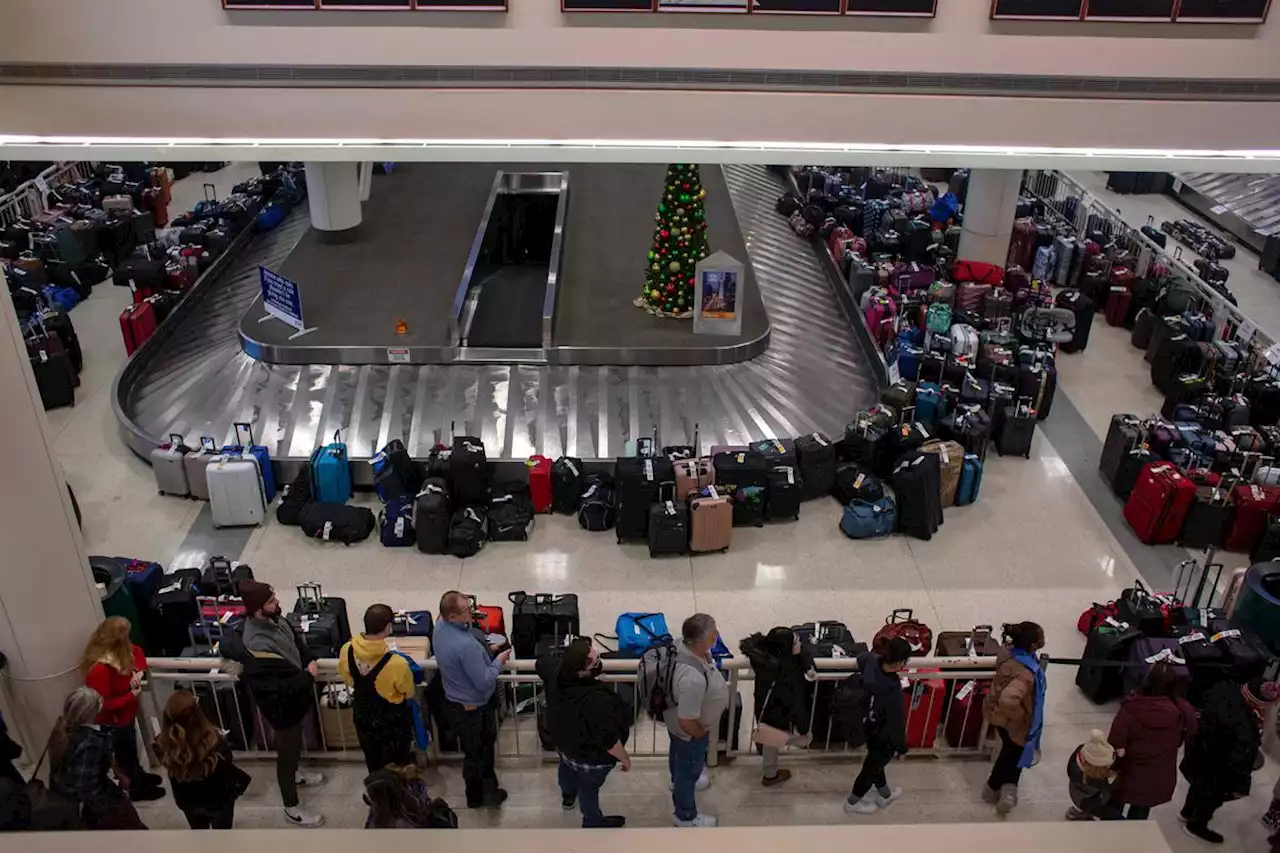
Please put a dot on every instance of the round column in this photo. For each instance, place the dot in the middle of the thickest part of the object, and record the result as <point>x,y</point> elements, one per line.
<point>989,210</point>
<point>333,194</point>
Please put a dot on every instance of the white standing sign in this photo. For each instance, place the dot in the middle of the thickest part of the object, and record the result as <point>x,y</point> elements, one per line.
<point>719,295</point>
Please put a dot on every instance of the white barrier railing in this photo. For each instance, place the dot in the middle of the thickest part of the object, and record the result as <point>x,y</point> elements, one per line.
<point>31,198</point>
<point>935,689</point>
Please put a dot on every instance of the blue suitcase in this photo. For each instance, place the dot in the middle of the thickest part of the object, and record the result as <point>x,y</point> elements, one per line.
<point>970,480</point>
<point>931,403</point>
<point>395,523</point>
<point>143,580</point>
<point>331,472</point>
<point>412,623</point>
<point>259,453</point>
<point>909,361</point>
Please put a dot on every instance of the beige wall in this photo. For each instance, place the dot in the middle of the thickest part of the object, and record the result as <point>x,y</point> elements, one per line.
<point>534,32</point>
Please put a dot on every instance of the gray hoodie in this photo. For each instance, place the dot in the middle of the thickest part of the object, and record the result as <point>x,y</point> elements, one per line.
<point>273,636</point>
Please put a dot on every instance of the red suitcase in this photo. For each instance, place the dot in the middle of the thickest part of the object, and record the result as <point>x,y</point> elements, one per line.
<point>540,483</point>
<point>488,618</point>
<point>964,717</point>
<point>1253,504</point>
<point>1118,305</point>
<point>137,324</point>
<point>1159,503</point>
<point>925,699</point>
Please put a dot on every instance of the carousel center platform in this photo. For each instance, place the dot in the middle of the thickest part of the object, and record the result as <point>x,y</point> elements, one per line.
<point>422,256</point>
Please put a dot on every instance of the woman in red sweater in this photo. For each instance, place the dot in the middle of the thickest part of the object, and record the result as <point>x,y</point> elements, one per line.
<point>113,667</point>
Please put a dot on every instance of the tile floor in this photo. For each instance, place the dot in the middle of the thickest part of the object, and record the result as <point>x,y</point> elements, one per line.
<point>1033,547</point>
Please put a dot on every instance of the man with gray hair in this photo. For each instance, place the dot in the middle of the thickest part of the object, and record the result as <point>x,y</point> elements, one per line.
<point>699,696</point>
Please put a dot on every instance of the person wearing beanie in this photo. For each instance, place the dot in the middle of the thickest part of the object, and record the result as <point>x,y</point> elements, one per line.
<point>280,673</point>
<point>1091,780</point>
<point>1218,761</point>
<point>383,684</point>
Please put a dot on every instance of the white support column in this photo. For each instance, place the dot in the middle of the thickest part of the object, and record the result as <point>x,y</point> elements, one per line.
<point>48,600</point>
<point>333,193</point>
<point>366,180</point>
<point>989,209</point>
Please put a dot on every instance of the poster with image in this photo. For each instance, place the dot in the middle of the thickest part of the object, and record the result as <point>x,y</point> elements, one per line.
<point>719,294</point>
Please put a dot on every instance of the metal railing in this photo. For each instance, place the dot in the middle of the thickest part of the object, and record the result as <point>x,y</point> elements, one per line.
<point>1067,198</point>
<point>31,198</point>
<point>935,690</point>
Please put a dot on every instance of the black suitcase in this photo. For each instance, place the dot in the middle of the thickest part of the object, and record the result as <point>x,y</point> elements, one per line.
<point>866,445</point>
<point>1106,644</point>
<point>469,471</point>
<point>510,516</point>
<point>668,526</point>
<point>1017,429</point>
<point>1130,467</point>
<point>219,577</point>
<point>173,611</point>
<point>782,495</point>
<point>431,516</point>
<point>899,395</point>
<point>970,427</point>
<point>917,483</point>
<point>826,639</point>
<point>1268,547</point>
<point>566,484</point>
<point>55,378</point>
<point>816,455</point>
<point>1270,260</point>
<point>639,480</point>
<point>1245,653</point>
<point>395,474</point>
<point>1083,308</point>
<point>1144,327</point>
<point>322,620</point>
<point>596,508</point>
<point>1122,436</point>
<point>1208,519</point>
<point>1122,182</point>
<point>776,452</point>
<point>1039,382</point>
<point>60,325</point>
<point>541,616</point>
<point>742,468</point>
<point>1155,234</point>
<point>856,482</point>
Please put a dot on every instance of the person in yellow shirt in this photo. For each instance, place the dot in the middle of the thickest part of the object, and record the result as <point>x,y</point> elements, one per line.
<point>383,685</point>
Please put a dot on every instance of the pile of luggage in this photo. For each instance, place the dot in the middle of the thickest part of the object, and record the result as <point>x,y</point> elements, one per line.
<point>1200,239</point>
<point>237,479</point>
<point>53,348</point>
<point>1202,645</point>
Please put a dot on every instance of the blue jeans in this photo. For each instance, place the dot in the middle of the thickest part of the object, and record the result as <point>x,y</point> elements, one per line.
<point>686,759</point>
<point>585,785</point>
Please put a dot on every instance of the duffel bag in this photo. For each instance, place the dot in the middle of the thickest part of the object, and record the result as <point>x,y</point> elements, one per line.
<point>869,519</point>
<point>467,531</point>
<point>902,623</point>
<point>334,522</point>
<point>979,271</point>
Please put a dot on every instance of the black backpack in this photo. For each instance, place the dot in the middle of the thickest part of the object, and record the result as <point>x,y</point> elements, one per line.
<point>596,511</point>
<point>432,517</point>
<point>296,496</point>
<point>467,531</point>
<point>852,706</point>
<point>787,204</point>
<point>334,522</point>
<point>566,484</point>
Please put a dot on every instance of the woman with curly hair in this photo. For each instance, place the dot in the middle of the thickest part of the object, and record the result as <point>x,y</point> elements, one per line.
<point>114,667</point>
<point>205,780</point>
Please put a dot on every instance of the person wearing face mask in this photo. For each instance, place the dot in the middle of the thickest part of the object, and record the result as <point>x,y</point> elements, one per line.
<point>784,670</point>
<point>589,725</point>
<point>280,673</point>
<point>1015,708</point>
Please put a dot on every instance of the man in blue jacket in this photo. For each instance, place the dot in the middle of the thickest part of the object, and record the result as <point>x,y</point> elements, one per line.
<point>469,675</point>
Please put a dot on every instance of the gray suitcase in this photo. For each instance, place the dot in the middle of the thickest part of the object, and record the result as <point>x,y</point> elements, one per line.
<point>117,204</point>
<point>236,494</point>
<point>169,464</point>
<point>196,462</point>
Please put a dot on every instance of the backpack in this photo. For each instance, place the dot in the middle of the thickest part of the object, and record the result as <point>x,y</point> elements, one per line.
<point>466,532</point>
<point>852,706</point>
<point>938,318</point>
<point>596,510</point>
<point>440,816</point>
<point>395,523</point>
<point>656,676</point>
<point>566,484</point>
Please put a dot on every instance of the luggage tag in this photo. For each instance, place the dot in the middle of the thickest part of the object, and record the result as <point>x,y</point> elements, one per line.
<point>648,468</point>
<point>816,437</point>
<point>1191,638</point>
<point>967,689</point>
<point>399,528</point>
<point>326,530</point>
<point>1228,634</point>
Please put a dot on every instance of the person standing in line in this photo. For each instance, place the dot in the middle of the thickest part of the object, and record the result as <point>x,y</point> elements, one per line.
<point>589,725</point>
<point>80,758</point>
<point>280,673</point>
<point>1015,707</point>
<point>699,694</point>
<point>383,685</point>
<point>469,675</point>
<point>1149,729</point>
<point>784,671</point>
<point>886,725</point>
<point>1218,761</point>
<point>205,779</point>
<point>114,667</point>
<point>1091,780</point>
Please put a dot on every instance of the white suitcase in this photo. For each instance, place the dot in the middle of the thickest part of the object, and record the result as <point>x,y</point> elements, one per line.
<point>236,495</point>
<point>196,463</point>
<point>118,204</point>
<point>169,464</point>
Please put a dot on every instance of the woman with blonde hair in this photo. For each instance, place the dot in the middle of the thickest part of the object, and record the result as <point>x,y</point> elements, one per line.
<point>79,760</point>
<point>114,667</point>
<point>205,780</point>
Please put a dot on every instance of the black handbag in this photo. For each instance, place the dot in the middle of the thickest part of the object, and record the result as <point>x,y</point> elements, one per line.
<point>50,811</point>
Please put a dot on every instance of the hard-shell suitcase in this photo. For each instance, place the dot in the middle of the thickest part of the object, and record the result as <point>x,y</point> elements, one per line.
<point>195,462</point>
<point>1209,518</point>
<point>566,484</point>
<point>259,453</point>
<point>1131,465</point>
<point>816,455</point>
<point>668,525</point>
<point>639,480</point>
<point>237,497</point>
<point>540,490</point>
<point>1159,503</point>
<point>322,620</point>
<point>168,462</point>
<point>782,495</point>
<point>1083,308</point>
<point>331,472</point>
<point>950,466</point>
<point>691,475</point>
<point>431,514</point>
<point>1039,382</point>
<point>1253,504</point>
<point>970,480</point>
<point>137,325</point>
<point>710,521</point>
<point>917,482</point>
<point>925,701</point>
<point>1144,327</point>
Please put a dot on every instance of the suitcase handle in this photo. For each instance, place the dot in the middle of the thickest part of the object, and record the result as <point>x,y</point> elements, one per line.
<point>208,443</point>
<point>310,597</point>
<point>176,440</point>
<point>248,430</point>
<point>894,616</point>
<point>210,192</point>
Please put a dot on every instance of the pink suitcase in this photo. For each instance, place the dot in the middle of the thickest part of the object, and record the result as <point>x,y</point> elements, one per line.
<point>693,474</point>
<point>710,521</point>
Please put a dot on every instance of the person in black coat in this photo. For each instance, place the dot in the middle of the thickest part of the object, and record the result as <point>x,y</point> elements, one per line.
<point>1218,760</point>
<point>784,671</point>
<point>886,725</point>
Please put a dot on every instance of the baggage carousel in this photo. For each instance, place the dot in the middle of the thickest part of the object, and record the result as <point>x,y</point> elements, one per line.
<point>1244,205</point>
<point>194,378</point>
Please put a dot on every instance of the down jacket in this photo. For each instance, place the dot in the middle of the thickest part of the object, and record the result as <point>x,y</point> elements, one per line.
<point>1011,703</point>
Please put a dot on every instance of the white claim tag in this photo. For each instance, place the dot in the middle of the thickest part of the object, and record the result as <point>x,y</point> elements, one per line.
<point>969,687</point>
<point>328,528</point>
<point>946,457</point>
<point>1190,638</point>
<point>791,476</point>
<point>572,467</point>
<point>400,527</point>
<point>648,470</point>
<point>818,438</point>
<point>923,432</point>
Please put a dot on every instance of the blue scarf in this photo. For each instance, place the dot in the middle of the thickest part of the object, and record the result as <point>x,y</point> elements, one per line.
<point>1037,717</point>
<point>421,735</point>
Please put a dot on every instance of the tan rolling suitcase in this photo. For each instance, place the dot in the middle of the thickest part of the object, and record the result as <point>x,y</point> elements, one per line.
<point>693,474</point>
<point>710,521</point>
<point>951,464</point>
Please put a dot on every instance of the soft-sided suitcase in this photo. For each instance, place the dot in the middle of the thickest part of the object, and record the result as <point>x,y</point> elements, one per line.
<point>782,495</point>
<point>431,514</point>
<point>691,475</point>
<point>964,707</point>
<point>1159,503</point>
<point>469,471</point>
<point>566,484</point>
<point>259,454</point>
<point>1118,301</point>
<point>322,620</point>
<point>1122,436</point>
<point>1131,465</point>
<point>710,521</point>
<point>168,463</point>
<point>237,497</point>
<point>395,475</point>
<point>540,489</point>
<point>1039,382</point>
<point>173,611</point>
<point>137,325</point>
<point>1083,308</point>
<point>220,577</point>
<point>541,616</point>
<point>668,524</point>
<point>1268,547</point>
<point>970,480</point>
<point>331,472</point>
<point>816,455</point>
<point>1145,652</point>
<point>639,480</point>
<point>1099,676</point>
<point>1017,429</point>
<point>950,466</point>
<point>1209,518</point>
<point>740,467</point>
<point>917,482</point>
<point>1253,504</point>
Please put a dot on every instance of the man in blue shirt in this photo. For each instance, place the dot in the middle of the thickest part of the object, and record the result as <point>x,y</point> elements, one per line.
<point>469,675</point>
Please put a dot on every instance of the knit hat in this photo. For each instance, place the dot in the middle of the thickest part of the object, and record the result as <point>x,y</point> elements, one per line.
<point>1097,751</point>
<point>255,595</point>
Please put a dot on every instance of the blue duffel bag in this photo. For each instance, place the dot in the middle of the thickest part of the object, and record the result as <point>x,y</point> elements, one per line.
<point>640,631</point>
<point>270,217</point>
<point>395,523</point>
<point>869,519</point>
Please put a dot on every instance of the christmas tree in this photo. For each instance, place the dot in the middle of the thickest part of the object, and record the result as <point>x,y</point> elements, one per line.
<point>679,242</point>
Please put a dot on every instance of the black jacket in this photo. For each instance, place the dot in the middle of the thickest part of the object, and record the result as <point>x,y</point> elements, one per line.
<point>1219,757</point>
<point>586,717</point>
<point>213,791</point>
<point>780,679</point>
<point>887,722</point>
<point>284,693</point>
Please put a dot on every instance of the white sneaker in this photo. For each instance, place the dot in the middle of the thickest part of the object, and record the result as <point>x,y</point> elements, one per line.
<point>308,778</point>
<point>702,820</point>
<point>304,819</point>
<point>862,806</point>
<point>704,782</point>
<point>883,801</point>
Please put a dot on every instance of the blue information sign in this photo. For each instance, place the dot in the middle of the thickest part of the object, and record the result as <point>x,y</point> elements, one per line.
<point>281,299</point>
